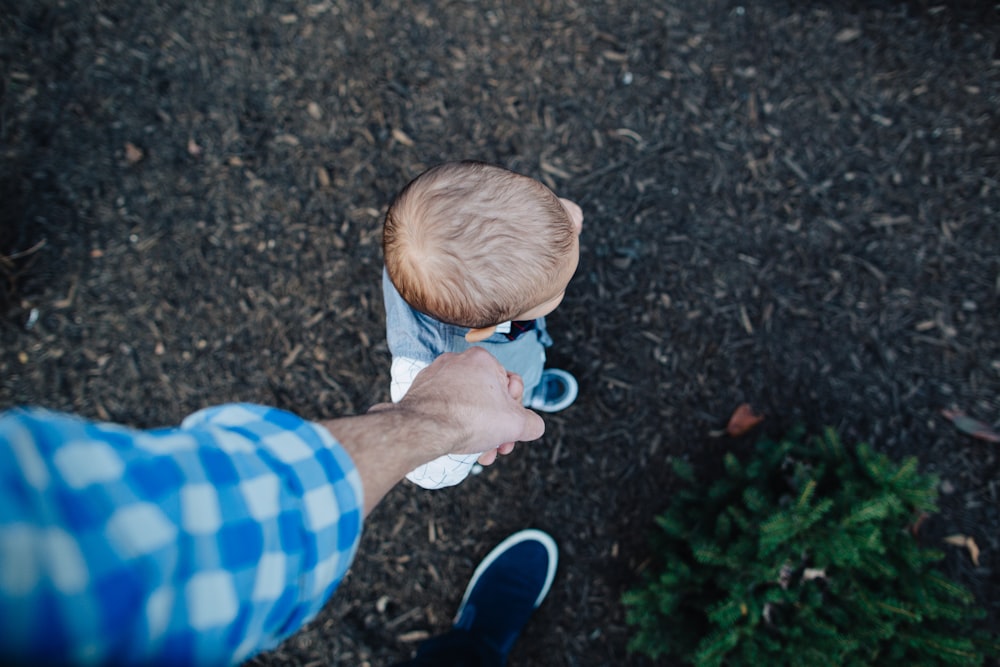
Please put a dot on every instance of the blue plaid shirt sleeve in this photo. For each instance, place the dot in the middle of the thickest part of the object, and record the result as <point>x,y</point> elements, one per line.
<point>202,544</point>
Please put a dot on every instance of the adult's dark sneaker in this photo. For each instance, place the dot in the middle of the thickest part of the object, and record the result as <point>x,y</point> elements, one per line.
<point>507,587</point>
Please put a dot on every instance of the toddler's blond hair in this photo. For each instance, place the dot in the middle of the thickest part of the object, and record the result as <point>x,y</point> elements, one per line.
<point>473,244</point>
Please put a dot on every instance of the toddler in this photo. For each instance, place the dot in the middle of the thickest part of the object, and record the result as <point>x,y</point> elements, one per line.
<point>476,254</point>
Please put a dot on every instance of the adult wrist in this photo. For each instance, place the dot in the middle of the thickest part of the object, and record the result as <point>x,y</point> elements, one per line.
<point>429,431</point>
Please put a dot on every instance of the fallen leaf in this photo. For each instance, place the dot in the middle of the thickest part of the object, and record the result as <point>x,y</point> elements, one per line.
<point>915,526</point>
<point>323,176</point>
<point>973,548</point>
<point>971,426</point>
<point>133,153</point>
<point>550,168</point>
<point>847,35</point>
<point>631,134</point>
<point>401,137</point>
<point>968,543</point>
<point>743,419</point>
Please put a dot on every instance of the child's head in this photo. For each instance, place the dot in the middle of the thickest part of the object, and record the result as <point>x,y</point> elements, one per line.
<point>474,245</point>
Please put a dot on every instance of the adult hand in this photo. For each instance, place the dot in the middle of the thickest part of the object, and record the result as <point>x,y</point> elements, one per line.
<point>461,404</point>
<point>476,403</point>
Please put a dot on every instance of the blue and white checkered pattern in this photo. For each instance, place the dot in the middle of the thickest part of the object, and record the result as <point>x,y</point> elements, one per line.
<point>202,544</point>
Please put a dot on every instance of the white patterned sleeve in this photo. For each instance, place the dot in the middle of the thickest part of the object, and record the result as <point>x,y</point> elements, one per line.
<point>402,373</point>
<point>445,471</point>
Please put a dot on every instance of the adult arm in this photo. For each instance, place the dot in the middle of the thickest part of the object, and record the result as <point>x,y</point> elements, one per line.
<point>212,541</point>
<point>460,404</point>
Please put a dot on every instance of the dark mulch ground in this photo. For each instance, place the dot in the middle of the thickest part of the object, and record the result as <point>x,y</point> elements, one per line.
<point>791,203</point>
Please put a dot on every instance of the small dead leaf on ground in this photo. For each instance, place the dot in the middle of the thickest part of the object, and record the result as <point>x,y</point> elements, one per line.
<point>402,137</point>
<point>968,543</point>
<point>847,35</point>
<point>743,419</point>
<point>918,522</point>
<point>323,176</point>
<point>133,154</point>
<point>971,426</point>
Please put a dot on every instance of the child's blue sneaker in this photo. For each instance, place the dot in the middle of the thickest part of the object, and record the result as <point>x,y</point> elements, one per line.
<point>555,391</point>
<point>507,587</point>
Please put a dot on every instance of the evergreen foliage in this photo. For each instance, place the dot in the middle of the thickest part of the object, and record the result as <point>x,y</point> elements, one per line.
<point>803,556</point>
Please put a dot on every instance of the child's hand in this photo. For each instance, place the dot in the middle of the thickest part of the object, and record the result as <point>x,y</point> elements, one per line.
<point>489,457</point>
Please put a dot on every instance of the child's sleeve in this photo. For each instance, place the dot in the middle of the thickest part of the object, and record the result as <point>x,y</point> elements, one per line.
<point>445,471</point>
<point>401,376</point>
<point>439,473</point>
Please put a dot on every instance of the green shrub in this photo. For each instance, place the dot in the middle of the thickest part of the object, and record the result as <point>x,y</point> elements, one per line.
<point>803,556</point>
